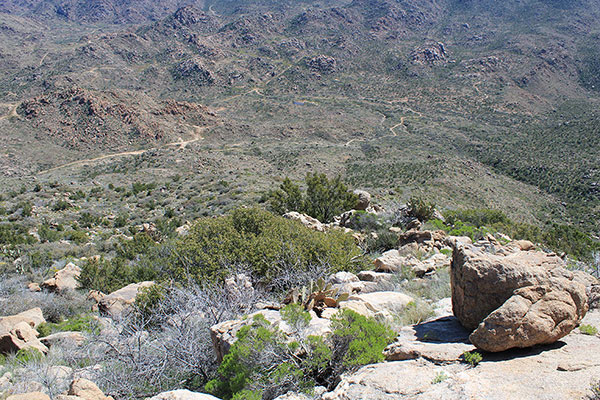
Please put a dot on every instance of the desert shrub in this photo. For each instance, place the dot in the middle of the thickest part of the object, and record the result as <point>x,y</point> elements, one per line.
<point>47,234</point>
<point>131,249</point>
<point>476,217</point>
<point>120,221</point>
<point>364,221</point>
<point>323,199</point>
<point>588,330</point>
<point>357,340</point>
<point>263,362</point>
<point>420,208</point>
<point>109,275</point>
<point>472,357</point>
<point>595,391</point>
<point>26,208</point>
<point>61,205</point>
<point>415,312</point>
<point>384,241</point>
<point>77,236</point>
<point>266,243</point>
<point>88,220</point>
<point>13,234</point>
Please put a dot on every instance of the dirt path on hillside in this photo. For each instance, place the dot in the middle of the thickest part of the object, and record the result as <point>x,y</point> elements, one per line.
<point>181,144</point>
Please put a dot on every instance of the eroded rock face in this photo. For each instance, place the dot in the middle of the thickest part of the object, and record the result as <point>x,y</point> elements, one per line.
<point>481,282</point>
<point>64,279</point>
<point>534,315</point>
<point>20,336</point>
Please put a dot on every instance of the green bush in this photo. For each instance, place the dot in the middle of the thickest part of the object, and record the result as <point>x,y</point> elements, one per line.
<point>13,234</point>
<point>109,275</point>
<point>588,330</point>
<point>420,208</point>
<point>323,200</point>
<point>81,323</point>
<point>265,243</point>
<point>472,357</point>
<point>61,205</point>
<point>358,340</point>
<point>262,363</point>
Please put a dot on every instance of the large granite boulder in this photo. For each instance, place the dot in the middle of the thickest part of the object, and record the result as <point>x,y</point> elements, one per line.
<point>33,317</point>
<point>83,389</point>
<point>18,332</point>
<point>64,279</point>
<point>364,200</point>
<point>534,315</point>
<point>118,301</point>
<point>481,282</point>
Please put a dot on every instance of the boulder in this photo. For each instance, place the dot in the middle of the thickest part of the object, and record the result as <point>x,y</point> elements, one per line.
<point>63,337</point>
<point>83,389</point>
<point>182,394</point>
<point>34,287</point>
<point>375,304</point>
<point>33,317</point>
<point>421,237</point>
<point>20,336</point>
<point>390,261</point>
<point>118,301</point>
<point>481,282</point>
<point>372,276</point>
<point>523,245</point>
<point>29,396</point>
<point>342,277</point>
<point>534,315</point>
<point>364,200</point>
<point>306,220</point>
<point>64,279</point>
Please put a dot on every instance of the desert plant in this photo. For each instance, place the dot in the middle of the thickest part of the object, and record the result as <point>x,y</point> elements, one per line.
<point>420,208</point>
<point>316,296</point>
<point>588,329</point>
<point>472,358</point>
<point>439,378</point>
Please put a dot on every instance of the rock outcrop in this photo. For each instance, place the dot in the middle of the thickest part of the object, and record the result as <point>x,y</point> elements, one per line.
<point>64,279</point>
<point>118,301</point>
<point>551,372</point>
<point>534,315</point>
<point>18,332</point>
<point>481,282</point>
<point>364,200</point>
<point>83,389</point>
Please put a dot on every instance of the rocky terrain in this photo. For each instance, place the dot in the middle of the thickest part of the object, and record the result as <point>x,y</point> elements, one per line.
<point>317,199</point>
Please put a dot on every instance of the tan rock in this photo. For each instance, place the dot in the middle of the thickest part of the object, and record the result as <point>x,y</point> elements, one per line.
<point>34,287</point>
<point>33,317</point>
<point>64,279</point>
<point>533,315</point>
<point>63,337</point>
<point>523,245</point>
<point>306,220</point>
<point>20,336</point>
<point>364,199</point>
<point>84,389</point>
<point>481,282</point>
<point>370,304</point>
<point>390,261</point>
<point>118,301</point>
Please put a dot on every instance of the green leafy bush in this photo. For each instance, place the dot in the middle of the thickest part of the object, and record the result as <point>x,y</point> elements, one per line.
<point>265,243</point>
<point>81,323</point>
<point>323,200</point>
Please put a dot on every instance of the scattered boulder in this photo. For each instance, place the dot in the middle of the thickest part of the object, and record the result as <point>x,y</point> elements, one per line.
<point>523,245</point>
<point>118,301</point>
<point>182,394</point>
<point>481,282</point>
<point>20,336</point>
<point>34,287</point>
<point>33,317</point>
<point>540,314</point>
<point>83,389</point>
<point>372,276</point>
<point>381,305</point>
<point>63,337</point>
<point>306,220</point>
<point>342,277</point>
<point>428,238</point>
<point>364,200</point>
<point>390,261</point>
<point>64,279</point>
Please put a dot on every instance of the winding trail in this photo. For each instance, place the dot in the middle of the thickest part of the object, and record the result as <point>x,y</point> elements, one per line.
<point>182,144</point>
